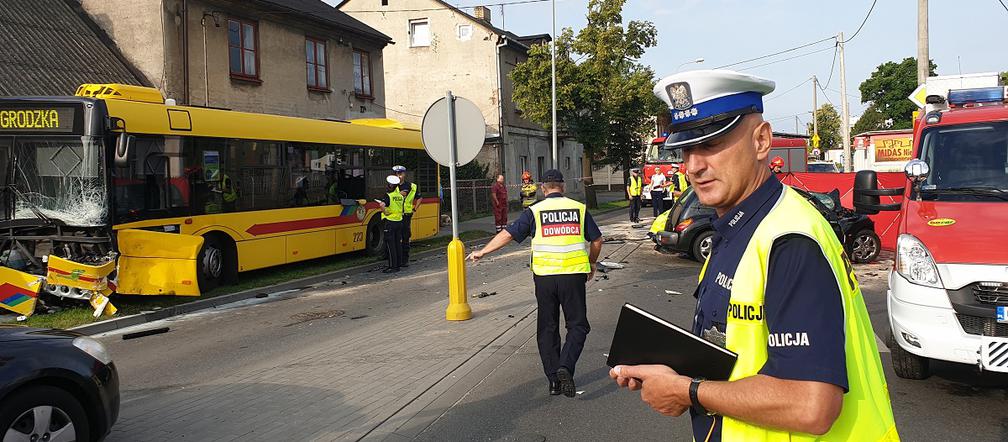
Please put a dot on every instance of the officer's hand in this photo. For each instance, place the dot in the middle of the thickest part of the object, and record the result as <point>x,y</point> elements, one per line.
<point>664,390</point>
<point>591,274</point>
<point>475,256</point>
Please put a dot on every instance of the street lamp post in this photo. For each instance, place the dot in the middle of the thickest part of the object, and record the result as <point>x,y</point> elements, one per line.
<point>697,61</point>
<point>553,87</point>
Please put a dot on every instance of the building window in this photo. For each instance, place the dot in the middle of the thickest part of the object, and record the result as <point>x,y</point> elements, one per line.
<point>540,167</point>
<point>384,2</point>
<point>522,164</point>
<point>419,31</point>
<point>567,162</point>
<point>464,32</point>
<point>243,51</point>
<point>362,74</point>
<point>317,66</point>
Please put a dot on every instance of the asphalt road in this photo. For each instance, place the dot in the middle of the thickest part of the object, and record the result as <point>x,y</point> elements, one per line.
<point>512,402</point>
<point>509,401</point>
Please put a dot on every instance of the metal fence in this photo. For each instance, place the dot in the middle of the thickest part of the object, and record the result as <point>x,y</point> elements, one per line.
<point>473,198</point>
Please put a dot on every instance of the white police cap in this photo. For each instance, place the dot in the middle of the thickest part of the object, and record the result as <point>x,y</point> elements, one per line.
<point>709,103</point>
<point>392,179</point>
<point>398,169</point>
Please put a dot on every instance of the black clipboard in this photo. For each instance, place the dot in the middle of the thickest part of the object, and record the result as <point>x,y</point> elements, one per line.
<point>643,338</point>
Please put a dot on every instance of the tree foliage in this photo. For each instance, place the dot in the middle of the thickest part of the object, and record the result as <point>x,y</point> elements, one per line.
<point>604,94</point>
<point>829,127</point>
<point>870,120</point>
<point>889,86</point>
<point>1004,78</point>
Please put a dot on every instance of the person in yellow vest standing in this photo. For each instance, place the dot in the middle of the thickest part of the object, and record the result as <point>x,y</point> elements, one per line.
<point>566,242</point>
<point>528,190</point>
<point>411,202</point>
<point>679,182</point>
<point>391,204</point>
<point>634,188</point>
<point>778,289</point>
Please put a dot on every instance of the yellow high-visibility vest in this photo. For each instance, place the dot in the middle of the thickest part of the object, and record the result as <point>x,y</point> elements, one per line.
<point>680,178</point>
<point>408,201</point>
<point>559,246</point>
<point>528,194</point>
<point>395,207</point>
<point>636,184</point>
<point>866,414</point>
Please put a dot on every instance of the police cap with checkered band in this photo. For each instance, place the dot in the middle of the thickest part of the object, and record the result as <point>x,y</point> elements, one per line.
<point>709,103</point>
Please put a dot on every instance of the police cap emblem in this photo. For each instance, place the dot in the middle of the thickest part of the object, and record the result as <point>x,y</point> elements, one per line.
<point>680,95</point>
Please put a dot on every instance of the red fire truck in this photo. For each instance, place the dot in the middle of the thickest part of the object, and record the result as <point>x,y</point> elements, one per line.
<point>791,148</point>
<point>948,289</point>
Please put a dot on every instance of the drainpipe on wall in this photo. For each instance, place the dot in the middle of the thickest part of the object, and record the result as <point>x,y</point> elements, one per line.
<point>185,53</point>
<point>206,74</point>
<point>500,104</point>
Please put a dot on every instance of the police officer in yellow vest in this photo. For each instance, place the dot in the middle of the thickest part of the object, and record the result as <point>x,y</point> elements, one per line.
<point>679,182</point>
<point>566,242</point>
<point>633,189</point>
<point>391,204</point>
<point>411,202</point>
<point>777,290</point>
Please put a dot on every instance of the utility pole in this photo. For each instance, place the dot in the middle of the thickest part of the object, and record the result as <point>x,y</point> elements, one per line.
<point>797,125</point>
<point>815,105</point>
<point>923,59</point>
<point>553,81</point>
<point>845,117</point>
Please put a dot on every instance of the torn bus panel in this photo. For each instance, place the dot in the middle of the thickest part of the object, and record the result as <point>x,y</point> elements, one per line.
<point>156,263</point>
<point>64,272</point>
<point>19,291</point>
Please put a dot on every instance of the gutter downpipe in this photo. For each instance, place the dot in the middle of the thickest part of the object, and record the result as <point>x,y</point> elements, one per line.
<point>185,52</point>
<point>206,74</point>
<point>500,104</point>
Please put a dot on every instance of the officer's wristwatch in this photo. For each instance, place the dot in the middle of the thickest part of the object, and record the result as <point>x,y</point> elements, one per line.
<point>693,386</point>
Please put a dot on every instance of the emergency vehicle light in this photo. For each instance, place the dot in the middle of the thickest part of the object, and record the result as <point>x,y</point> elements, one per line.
<point>978,95</point>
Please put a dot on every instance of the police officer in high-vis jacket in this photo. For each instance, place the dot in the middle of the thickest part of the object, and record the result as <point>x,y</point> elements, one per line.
<point>566,242</point>
<point>392,203</point>
<point>778,289</point>
<point>634,188</point>
<point>411,201</point>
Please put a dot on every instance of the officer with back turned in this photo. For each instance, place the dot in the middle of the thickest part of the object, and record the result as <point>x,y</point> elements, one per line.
<point>411,202</point>
<point>566,242</point>
<point>391,204</point>
<point>634,188</point>
<point>777,289</point>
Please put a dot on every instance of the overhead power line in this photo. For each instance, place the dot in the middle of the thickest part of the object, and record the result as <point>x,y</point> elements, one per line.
<point>836,49</point>
<point>1003,4</point>
<point>776,53</point>
<point>774,97</point>
<point>442,8</point>
<point>872,8</point>
<point>785,59</point>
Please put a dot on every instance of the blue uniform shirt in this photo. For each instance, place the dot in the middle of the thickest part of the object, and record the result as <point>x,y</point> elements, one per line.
<point>524,226</point>
<point>803,306</point>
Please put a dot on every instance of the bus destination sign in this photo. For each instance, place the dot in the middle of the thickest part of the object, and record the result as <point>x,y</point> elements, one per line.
<point>37,119</point>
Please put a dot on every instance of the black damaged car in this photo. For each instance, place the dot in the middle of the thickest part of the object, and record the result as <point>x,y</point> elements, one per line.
<point>55,385</point>
<point>688,227</point>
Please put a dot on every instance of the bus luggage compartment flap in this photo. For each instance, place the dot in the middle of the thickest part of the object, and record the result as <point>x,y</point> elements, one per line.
<point>156,263</point>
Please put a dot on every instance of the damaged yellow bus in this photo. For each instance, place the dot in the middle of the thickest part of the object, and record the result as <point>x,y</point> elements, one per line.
<point>113,190</point>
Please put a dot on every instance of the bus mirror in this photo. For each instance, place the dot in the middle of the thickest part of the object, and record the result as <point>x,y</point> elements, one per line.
<point>867,193</point>
<point>917,171</point>
<point>124,144</point>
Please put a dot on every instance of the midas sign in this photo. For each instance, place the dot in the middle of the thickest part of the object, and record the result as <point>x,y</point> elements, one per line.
<point>893,148</point>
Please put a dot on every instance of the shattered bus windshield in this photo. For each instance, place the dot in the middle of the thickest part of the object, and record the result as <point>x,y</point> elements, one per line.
<point>56,178</point>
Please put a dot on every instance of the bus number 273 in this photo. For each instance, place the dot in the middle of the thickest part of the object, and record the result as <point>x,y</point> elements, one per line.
<point>358,236</point>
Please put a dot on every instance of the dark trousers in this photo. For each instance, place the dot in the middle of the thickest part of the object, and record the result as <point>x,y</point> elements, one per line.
<point>635,208</point>
<point>393,240</point>
<point>658,202</point>
<point>407,233</point>
<point>554,292</point>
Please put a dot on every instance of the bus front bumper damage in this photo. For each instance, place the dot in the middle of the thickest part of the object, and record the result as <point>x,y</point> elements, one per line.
<point>19,291</point>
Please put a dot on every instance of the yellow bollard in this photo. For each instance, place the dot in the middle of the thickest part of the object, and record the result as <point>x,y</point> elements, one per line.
<point>458,304</point>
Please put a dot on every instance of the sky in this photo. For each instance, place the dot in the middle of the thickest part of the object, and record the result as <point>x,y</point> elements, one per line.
<point>970,35</point>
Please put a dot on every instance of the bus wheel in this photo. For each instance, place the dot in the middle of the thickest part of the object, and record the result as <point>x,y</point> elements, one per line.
<point>210,264</point>
<point>374,243</point>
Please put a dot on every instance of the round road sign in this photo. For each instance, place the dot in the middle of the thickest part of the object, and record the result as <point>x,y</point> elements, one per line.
<point>470,131</point>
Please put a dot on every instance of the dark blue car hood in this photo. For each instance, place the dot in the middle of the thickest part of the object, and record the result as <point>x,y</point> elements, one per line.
<point>10,333</point>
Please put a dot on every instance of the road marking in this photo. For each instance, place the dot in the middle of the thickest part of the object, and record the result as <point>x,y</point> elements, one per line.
<point>882,348</point>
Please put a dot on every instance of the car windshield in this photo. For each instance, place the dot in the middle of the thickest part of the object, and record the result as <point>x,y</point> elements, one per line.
<point>658,153</point>
<point>967,162</point>
<point>821,167</point>
<point>824,199</point>
<point>54,178</point>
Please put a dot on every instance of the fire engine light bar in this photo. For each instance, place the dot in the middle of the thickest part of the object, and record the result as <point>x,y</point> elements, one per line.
<point>978,95</point>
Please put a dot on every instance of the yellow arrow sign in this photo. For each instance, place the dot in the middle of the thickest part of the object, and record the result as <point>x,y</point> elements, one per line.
<point>815,140</point>
<point>919,95</point>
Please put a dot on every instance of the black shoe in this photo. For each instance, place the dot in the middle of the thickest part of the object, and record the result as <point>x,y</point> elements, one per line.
<point>566,382</point>
<point>554,388</point>
<point>390,270</point>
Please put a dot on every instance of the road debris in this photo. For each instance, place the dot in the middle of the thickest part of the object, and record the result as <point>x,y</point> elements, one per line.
<point>140,334</point>
<point>672,292</point>
<point>612,265</point>
<point>484,294</point>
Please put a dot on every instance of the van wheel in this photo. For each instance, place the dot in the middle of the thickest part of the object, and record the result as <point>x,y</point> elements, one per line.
<point>865,246</point>
<point>43,413</point>
<point>908,365</point>
<point>374,241</point>
<point>702,246</point>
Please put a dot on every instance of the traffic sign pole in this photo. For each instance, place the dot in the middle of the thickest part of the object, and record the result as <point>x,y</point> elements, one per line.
<point>458,304</point>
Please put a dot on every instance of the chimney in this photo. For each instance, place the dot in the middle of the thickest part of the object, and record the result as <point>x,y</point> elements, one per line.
<point>482,13</point>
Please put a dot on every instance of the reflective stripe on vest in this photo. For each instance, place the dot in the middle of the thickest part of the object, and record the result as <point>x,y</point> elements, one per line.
<point>228,191</point>
<point>559,247</point>
<point>866,414</point>
<point>395,207</point>
<point>408,202</point>
<point>636,184</point>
